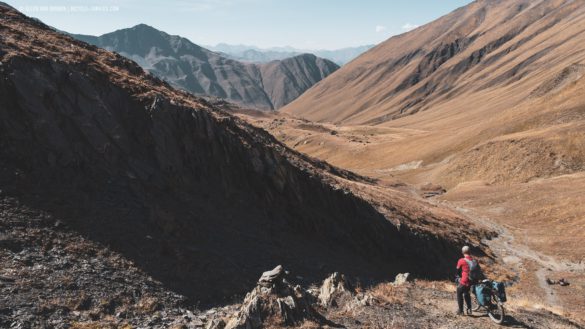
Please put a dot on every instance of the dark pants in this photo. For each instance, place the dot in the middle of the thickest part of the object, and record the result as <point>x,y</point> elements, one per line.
<point>463,292</point>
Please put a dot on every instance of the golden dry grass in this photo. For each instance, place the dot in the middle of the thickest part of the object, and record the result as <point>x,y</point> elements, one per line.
<point>387,293</point>
<point>99,325</point>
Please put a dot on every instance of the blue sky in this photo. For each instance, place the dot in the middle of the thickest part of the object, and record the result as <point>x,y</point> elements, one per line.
<point>306,24</point>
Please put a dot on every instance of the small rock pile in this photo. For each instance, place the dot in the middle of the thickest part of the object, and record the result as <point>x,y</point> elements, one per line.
<point>561,282</point>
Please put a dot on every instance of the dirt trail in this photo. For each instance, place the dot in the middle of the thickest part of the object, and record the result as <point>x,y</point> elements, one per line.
<point>522,259</point>
<point>511,249</point>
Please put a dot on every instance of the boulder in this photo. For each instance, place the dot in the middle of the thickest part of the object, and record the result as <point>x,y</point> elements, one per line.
<point>402,278</point>
<point>269,278</point>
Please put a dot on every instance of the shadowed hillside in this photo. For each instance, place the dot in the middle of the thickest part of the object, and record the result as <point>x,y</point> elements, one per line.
<point>196,198</point>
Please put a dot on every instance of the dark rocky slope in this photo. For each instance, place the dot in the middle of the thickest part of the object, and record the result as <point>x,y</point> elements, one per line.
<point>202,72</point>
<point>287,79</point>
<point>189,195</point>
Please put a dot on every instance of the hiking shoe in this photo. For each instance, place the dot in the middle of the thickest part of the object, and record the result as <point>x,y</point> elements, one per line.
<point>469,311</point>
<point>459,313</point>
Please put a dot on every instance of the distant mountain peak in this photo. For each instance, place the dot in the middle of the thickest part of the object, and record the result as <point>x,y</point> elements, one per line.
<point>143,26</point>
<point>254,54</point>
<point>140,28</point>
<point>306,56</point>
<point>200,71</point>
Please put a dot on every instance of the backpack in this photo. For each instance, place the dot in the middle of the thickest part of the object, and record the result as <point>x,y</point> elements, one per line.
<point>475,273</point>
<point>500,290</point>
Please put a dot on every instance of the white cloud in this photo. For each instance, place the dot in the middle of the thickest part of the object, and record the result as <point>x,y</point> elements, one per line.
<point>381,28</point>
<point>409,26</point>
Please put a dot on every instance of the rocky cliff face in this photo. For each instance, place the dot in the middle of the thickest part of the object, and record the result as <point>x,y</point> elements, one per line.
<point>202,72</point>
<point>193,196</point>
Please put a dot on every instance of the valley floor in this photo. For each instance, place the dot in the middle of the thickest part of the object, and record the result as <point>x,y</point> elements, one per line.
<point>540,221</point>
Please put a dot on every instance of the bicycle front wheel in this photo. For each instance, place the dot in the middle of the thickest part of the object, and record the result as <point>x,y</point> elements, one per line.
<point>497,313</point>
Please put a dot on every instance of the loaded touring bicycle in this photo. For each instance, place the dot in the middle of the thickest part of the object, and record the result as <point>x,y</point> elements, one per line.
<point>490,296</point>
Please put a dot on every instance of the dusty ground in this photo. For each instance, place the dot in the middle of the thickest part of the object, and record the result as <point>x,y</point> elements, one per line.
<point>540,223</point>
<point>425,304</point>
<point>416,304</point>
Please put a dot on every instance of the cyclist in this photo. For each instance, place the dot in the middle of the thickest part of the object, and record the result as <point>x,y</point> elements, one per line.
<point>467,266</point>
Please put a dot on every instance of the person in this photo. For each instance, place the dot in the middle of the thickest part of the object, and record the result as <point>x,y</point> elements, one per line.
<point>464,285</point>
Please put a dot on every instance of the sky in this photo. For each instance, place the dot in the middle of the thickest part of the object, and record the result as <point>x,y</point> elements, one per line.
<point>303,24</point>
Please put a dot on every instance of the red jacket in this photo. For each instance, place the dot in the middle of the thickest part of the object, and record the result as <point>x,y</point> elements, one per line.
<point>462,264</point>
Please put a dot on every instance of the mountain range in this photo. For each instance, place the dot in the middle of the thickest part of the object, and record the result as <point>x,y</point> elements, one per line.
<point>190,67</point>
<point>255,54</point>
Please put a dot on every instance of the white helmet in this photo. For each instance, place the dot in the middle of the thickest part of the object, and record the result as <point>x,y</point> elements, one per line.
<point>465,250</point>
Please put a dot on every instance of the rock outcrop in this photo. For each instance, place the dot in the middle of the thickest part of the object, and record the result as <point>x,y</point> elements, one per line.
<point>274,301</point>
<point>334,287</point>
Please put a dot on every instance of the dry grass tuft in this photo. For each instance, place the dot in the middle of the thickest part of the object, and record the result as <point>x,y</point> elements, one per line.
<point>99,325</point>
<point>387,293</point>
<point>445,286</point>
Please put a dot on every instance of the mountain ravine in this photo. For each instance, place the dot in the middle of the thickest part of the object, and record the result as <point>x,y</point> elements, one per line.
<point>200,71</point>
<point>196,198</point>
